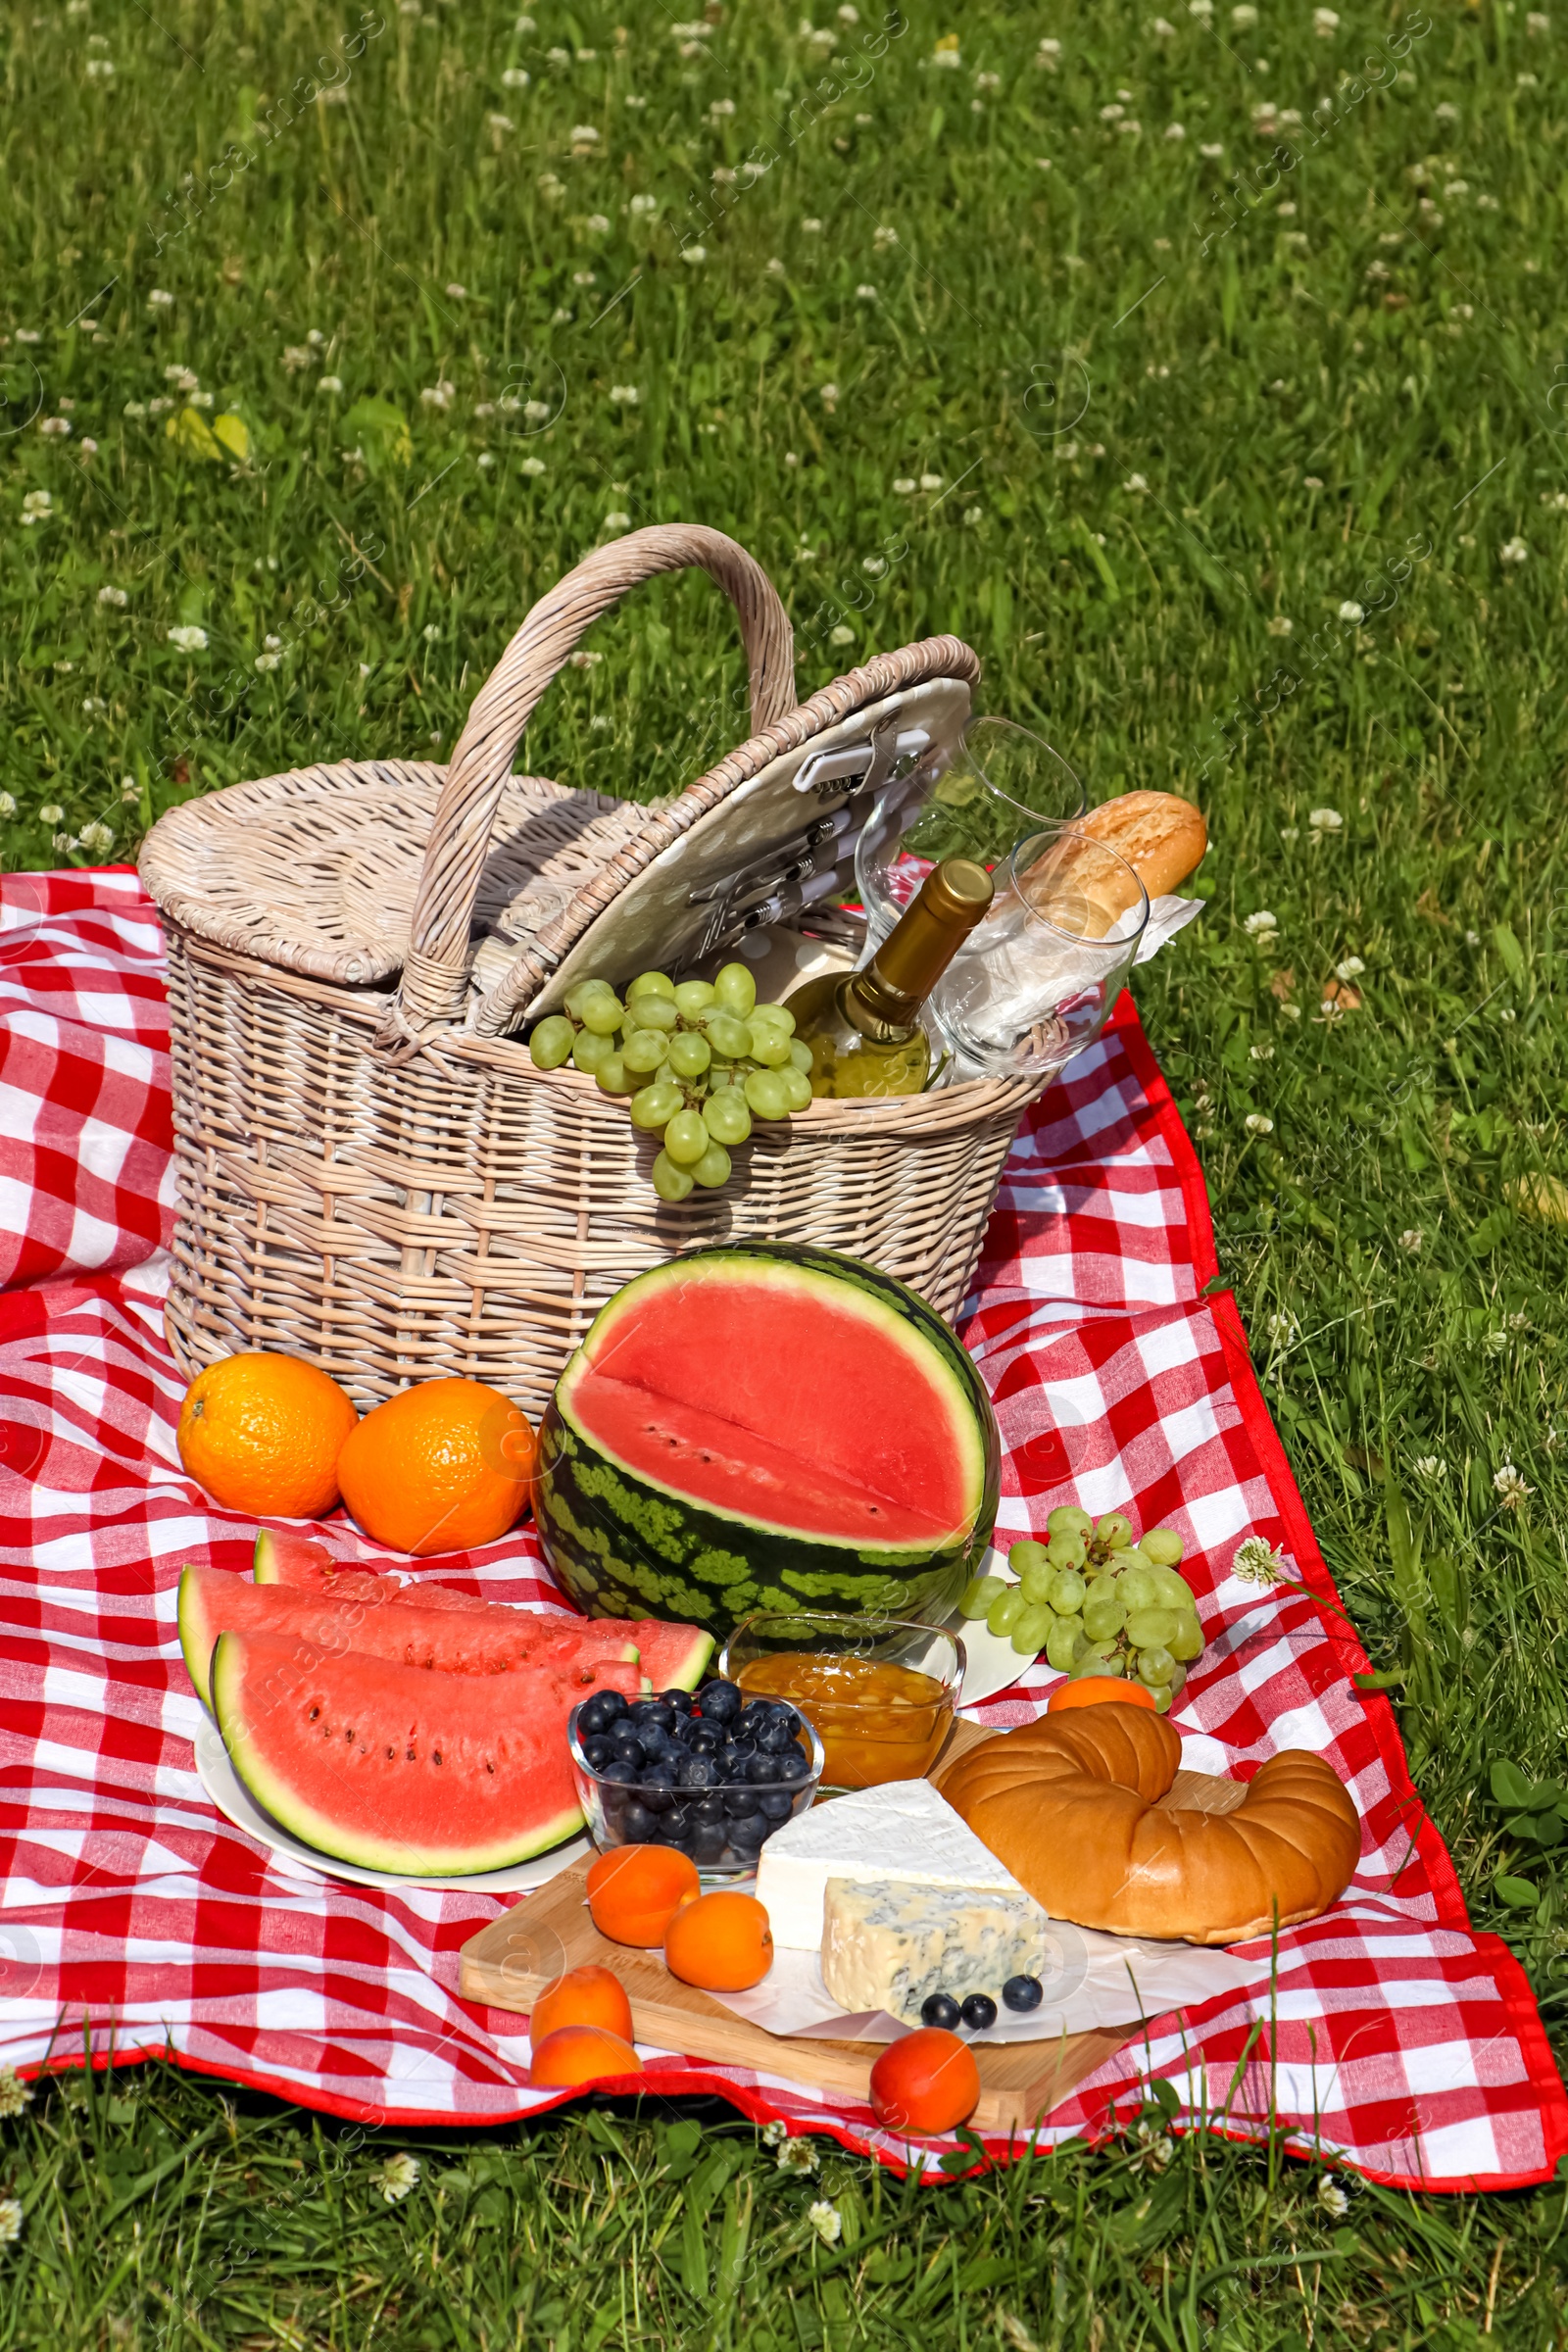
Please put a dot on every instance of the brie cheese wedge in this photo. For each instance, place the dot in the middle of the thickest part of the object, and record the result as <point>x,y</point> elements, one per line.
<point>901,1833</point>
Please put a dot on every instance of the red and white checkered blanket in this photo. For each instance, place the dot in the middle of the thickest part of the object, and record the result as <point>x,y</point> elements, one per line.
<point>1390,2036</point>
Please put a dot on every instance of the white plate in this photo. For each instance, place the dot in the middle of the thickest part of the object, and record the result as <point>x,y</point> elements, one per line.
<point>299,1861</point>
<point>994,1665</point>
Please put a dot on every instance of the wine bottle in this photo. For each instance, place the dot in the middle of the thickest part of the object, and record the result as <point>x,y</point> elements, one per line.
<point>864,1028</point>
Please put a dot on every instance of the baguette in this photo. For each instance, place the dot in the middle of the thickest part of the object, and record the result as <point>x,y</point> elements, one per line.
<point>1161,837</point>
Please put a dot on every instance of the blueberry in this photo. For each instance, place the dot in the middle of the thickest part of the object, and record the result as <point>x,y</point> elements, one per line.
<point>752,1717</point>
<point>941,2009</point>
<point>703,1738</point>
<point>627,1748</point>
<point>720,1702</point>
<point>775,1736</point>
<point>652,1711</point>
<point>746,1836</point>
<point>785,1714</point>
<point>706,1841</point>
<point>597,1750</point>
<point>620,1768</point>
<point>736,1759</point>
<point>681,1700</point>
<point>1022,1993</point>
<point>979,2012</point>
<point>636,1824</point>
<point>598,1714</point>
<point>697,1772</point>
<point>710,1806</point>
<point>776,1804</point>
<point>763,1772</point>
<point>792,1765</point>
<point>739,1801</point>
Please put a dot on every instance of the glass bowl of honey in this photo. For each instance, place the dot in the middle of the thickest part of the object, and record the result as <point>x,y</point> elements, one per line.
<point>879,1692</point>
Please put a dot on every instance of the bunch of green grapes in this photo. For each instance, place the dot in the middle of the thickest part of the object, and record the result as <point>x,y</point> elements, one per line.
<point>698,1061</point>
<point>1097,1603</point>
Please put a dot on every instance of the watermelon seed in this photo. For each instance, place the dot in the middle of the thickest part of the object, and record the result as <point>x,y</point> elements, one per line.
<point>391,1755</point>
<point>411,1755</point>
<point>314,1714</point>
<point>435,1755</point>
<point>348,1736</point>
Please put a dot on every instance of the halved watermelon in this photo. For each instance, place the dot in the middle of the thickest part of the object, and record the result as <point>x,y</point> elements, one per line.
<point>423,1775</point>
<point>494,1640</point>
<point>766,1426</point>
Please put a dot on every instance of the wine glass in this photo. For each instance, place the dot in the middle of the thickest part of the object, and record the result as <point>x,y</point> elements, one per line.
<point>973,798</point>
<point>1034,984</point>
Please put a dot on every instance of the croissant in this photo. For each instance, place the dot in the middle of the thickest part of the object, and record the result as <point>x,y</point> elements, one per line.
<point>1070,1806</point>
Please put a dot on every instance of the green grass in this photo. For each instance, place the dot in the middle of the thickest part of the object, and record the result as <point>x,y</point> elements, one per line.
<point>1155,441</point>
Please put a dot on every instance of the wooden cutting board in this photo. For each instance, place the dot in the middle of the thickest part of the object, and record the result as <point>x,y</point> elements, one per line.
<point>509,1964</point>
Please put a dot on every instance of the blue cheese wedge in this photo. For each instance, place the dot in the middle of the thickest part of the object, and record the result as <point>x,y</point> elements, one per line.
<point>889,1945</point>
<point>902,1831</point>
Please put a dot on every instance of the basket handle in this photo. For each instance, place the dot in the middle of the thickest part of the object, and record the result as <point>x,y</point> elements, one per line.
<point>435,982</point>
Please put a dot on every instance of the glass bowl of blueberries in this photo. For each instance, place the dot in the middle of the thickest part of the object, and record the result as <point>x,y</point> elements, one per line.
<point>710,1772</point>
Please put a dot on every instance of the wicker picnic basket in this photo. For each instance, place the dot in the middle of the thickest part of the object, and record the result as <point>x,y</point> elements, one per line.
<point>370,1172</point>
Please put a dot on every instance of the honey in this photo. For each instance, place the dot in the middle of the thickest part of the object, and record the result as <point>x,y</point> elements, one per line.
<point>876,1721</point>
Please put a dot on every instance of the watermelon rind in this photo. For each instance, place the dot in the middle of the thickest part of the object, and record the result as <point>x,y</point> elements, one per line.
<point>264,1690</point>
<point>624,1546</point>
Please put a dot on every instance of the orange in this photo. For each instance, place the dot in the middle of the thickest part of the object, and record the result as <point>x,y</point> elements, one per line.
<point>264,1433</point>
<point>1098,1691</point>
<point>722,1943</point>
<point>442,1467</point>
<point>635,1891</point>
<point>583,1996</point>
<point>576,2054</point>
<point>925,2081</point>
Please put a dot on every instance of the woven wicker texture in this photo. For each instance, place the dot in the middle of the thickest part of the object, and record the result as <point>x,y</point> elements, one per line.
<point>371,1182</point>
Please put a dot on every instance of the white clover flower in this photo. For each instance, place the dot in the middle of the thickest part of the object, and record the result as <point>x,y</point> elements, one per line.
<point>57,427</point>
<point>774,268</point>
<point>618,521</point>
<point>947,58</point>
<point>551,189</point>
<point>583,134</point>
<point>1428,1465</point>
<point>988,81</point>
<point>1536,23</point>
<point>36,505</point>
<point>641,207</point>
<point>1352,610</point>
<point>597,223</point>
<point>97,836</point>
<point>1350,969</point>
<point>183,379</point>
<point>499,122</point>
<point>15,2094</point>
<point>906,485</point>
<point>1412,1238</point>
<point>532,466</point>
<point>581,661</point>
<point>584,277</point>
<point>1255,1562</point>
<point>458,292</point>
<point>515,78</point>
<point>1175,131</point>
<point>1325,23</point>
<point>10,2220</point>
<point>625,396</point>
<point>330,383</point>
<point>101,69</point>
<point>866,294</point>
<point>1325,821</point>
<point>1260,1053</point>
<point>1281,625</point>
<point>431,633</point>
<point>298,355</point>
<point>1111,113</point>
<point>829,397</point>
<point>484,459</point>
<point>1135,482</point>
<point>973,514</point>
<point>50,813</point>
<point>695,254</point>
<point>841,635</point>
<point>440,395</point>
<point>1162,31</point>
<point>190,639</point>
<point>1213,149</point>
<point>930,481</point>
<point>827,2220</point>
<point>129,789</point>
<point>160,299</point>
<point>1512,551</point>
<point>1330,2195</point>
<point>1258,1123</point>
<point>1262,926</point>
<point>1243,16</point>
<point>812,229</point>
<point>1509,1483</point>
<point>399,2174</point>
<point>8,805</point>
<point>798,2156</point>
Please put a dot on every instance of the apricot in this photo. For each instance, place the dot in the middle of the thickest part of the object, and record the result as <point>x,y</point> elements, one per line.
<point>1098,1691</point>
<point>578,2054</point>
<point>924,2083</point>
<point>583,1996</point>
<point>633,1891</point>
<point>721,1943</point>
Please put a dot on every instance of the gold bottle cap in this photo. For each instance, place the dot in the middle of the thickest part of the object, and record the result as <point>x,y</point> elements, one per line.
<point>954,897</point>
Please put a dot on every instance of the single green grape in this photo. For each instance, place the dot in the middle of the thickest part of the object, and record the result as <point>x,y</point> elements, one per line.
<point>1061,1643</point>
<point>1135,1588</point>
<point>692,997</point>
<point>1102,1619</point>
<point>686,1138</point>
<point>1163,1546</point>
<point>1175,1592</point>
<point>1092,1664</point>
<point>1155,1665</point>
<point>1132,1555</point>
<point>1006,1610</point>
<point>670,1183</point>
<point>615,1078</point>
<point>1161,1698</point>
<point>726,1117</point>
<point>644,1049</point>
<point>1151,1629</point>
<point>590,1047</point>
<point>1107,1585</point>
<point>1067,1519</point>
<point>1025,1554</point>
<point>577,997</point>
<point>652,984</point>
<point>979,1594</point>
<point>1030,1632</point>
<point>1178,1681</point>
<point>779,1015</point>
<point>1037,1583</point>
<point>712,1169</point>
<point>1187,1641</point>
<point>552,1041</point>
<point>797,1087</point>
<point>657,1104</point>
<point>764,1092</point>
<point>801,1056</point>
<point>653,1012</point>
<point>689,1053</point>
<point>727,1035</point>
<point>770,1046</point>
<point>1067,1551</point>
<point>1114,1529</point>
<point>603,1015</point>
<point>1067,1592</point>
<point>735,989</point>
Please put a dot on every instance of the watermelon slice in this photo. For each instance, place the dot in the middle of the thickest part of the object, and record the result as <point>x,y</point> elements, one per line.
<point>383,1765</point>
<point>496,1640</point>
<point>283,1557</point>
